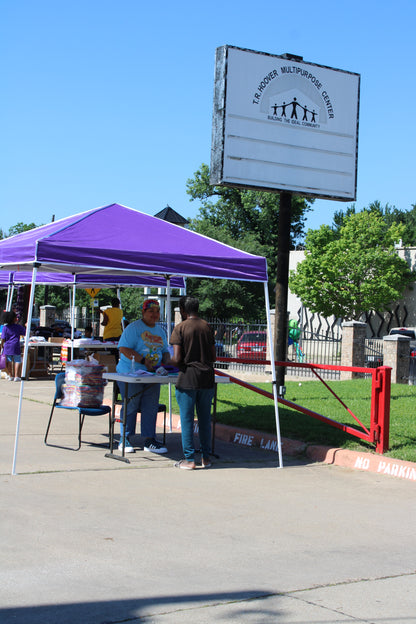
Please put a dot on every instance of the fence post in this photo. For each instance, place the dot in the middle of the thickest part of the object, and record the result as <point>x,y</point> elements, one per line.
<point>380,412</point>
<point>353,347</point>
<point>396,353</point>
<point>177,318</point>
<point>47,315</point>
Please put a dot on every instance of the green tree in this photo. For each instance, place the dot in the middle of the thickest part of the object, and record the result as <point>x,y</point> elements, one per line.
<point>247,220</point>
<point>21,227</point>
<point>351,271</point>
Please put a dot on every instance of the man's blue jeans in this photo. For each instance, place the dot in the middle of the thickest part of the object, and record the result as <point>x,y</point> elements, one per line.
<point>143,398</point>
<point>187,401</point>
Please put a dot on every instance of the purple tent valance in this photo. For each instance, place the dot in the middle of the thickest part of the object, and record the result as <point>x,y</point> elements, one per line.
<point>83,280</point>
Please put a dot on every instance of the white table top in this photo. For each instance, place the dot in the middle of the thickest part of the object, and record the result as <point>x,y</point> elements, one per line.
<point>80,343</point>
<point>160,379</point>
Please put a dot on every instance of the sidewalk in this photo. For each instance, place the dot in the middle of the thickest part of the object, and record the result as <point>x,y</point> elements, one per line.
<point>90,539</point>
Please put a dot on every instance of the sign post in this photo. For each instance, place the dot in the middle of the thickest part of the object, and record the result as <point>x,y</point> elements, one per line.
<point>93,292</point>
<point>282,286</point>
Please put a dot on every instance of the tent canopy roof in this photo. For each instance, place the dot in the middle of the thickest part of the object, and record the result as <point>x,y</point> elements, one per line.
<point>117,240</point>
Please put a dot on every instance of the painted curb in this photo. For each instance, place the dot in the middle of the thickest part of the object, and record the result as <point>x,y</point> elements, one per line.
<point>369,462</point>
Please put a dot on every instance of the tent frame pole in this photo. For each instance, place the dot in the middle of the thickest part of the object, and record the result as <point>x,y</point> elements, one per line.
<point>273,365</point>
<point>10,292</point>
<point>72,308</point>
<point>168,333</point>
<point>25,357</point>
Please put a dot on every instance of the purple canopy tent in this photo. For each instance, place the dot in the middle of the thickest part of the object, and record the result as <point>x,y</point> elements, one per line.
<point>116,240</point>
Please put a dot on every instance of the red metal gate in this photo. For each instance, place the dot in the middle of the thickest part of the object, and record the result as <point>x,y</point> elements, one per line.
<point>377,434</point>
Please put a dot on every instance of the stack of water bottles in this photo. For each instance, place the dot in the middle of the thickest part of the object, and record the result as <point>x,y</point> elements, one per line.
<point>84,384</point>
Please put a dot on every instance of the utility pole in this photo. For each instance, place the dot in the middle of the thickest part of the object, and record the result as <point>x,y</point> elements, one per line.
<point>282,286</point>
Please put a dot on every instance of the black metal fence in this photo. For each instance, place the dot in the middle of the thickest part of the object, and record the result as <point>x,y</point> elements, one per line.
<point>373,352</point>
<point>235,339</point>
<point>249,340</point>
<point>315,348</point>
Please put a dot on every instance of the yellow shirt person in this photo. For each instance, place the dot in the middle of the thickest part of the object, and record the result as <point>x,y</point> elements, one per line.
<point>112,321</point>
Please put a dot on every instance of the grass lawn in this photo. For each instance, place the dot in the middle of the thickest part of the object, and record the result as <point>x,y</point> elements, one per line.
<point>243,408</point>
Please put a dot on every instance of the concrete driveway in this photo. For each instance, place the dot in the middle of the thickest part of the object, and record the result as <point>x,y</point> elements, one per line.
<point>90,539</point>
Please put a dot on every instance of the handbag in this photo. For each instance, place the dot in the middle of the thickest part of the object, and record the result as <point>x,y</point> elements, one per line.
<point>2,361</point>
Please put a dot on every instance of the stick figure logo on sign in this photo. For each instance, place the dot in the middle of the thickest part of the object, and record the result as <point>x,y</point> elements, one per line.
<point>292,107</point>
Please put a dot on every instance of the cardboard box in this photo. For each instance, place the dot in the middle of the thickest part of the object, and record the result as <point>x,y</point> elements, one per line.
<point>106,359</point>
<point>56,340</point>
<point>38,365</point>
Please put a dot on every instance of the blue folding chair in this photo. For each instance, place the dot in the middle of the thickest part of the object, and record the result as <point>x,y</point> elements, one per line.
<point>82,411</point>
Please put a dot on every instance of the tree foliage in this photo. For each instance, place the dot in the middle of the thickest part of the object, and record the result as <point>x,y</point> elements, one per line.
<point>21,227</point>
<point>390,214</point>
<point>17,229</point>
<point>352,268</point>
<point>247,220</point>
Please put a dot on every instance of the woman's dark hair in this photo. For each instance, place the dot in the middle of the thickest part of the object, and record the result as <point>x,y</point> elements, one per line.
<point>8,317</point>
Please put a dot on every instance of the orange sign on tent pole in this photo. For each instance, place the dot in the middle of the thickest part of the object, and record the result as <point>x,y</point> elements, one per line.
<point>93,292</point>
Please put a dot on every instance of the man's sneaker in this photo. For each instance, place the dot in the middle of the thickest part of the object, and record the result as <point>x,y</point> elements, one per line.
<point>17,379</point>
<point>127,447</point>
<point>154,446</point>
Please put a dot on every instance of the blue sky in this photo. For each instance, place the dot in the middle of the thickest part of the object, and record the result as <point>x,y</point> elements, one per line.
<point>105,101</point>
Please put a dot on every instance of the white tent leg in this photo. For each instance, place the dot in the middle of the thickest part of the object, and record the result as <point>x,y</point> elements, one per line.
<point>276,405</point>
<point>72,308</point>
<point>10,291</point>
<point>25,354</point>
<point>119,298</point>
<point>168,332</point>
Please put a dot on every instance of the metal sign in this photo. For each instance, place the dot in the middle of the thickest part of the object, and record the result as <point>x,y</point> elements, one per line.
<point>284,125</point>
<point>93,292</point>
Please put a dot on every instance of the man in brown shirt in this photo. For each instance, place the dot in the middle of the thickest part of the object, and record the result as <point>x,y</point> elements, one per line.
<point>194,353</point>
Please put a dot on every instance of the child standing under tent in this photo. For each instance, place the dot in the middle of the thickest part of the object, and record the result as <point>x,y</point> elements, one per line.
<point>10,345</point>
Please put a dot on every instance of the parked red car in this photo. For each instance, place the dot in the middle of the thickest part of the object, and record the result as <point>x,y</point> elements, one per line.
<point>253,345</point>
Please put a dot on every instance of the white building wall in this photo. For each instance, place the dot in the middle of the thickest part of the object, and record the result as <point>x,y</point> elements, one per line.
<point>408,300</point>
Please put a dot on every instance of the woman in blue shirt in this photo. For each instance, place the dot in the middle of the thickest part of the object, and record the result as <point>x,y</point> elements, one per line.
<point>142,346</point>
